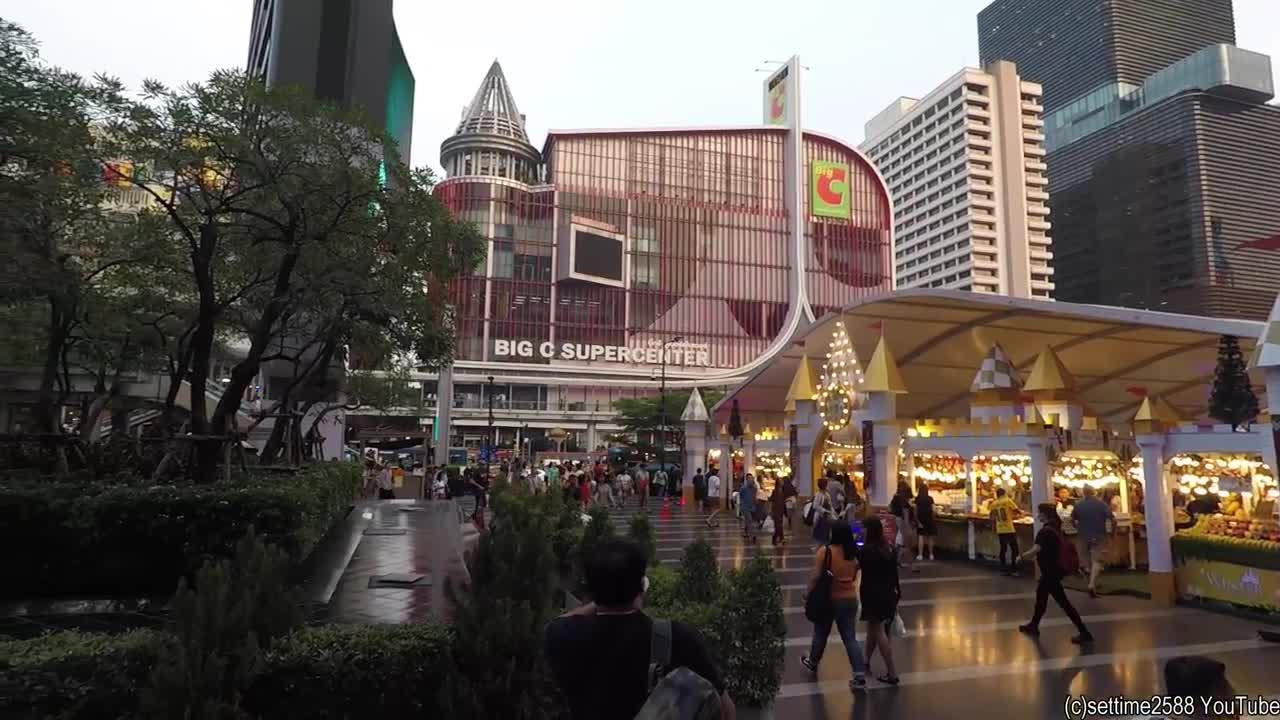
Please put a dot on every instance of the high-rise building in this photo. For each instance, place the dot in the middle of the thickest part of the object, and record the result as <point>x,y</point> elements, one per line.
<point>1075,48</point>
<point>620,260</point>
<point>965,167</point>
<point>346,51</point>
<point>1157,181</point>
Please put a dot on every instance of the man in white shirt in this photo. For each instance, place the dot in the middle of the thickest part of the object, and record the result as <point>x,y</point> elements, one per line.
<point>624,488</point>
<point>713,490</point>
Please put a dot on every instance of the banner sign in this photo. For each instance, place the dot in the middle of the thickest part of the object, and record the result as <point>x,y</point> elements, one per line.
<point>683,354</point>
<point>829,186</point>
<point>776,98</point>
<point>1239,584</point>
<point>868,456</point>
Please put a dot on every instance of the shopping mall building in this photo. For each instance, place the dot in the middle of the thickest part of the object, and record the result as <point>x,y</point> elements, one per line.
<point>618,257</point>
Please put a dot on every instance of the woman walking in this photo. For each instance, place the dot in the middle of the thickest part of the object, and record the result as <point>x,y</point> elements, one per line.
<point>822,514</point>
<point>880,594</point>
<point>1047,551</point>
<point>925,521</point>
<point>747,506</point>
<point>840,559</point>
<point>904,510</point>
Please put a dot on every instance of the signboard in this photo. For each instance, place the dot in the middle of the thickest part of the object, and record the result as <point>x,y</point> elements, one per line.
<point>679,354</point>
<point>829,190</point>
<point>868,456</point>
<point>775,103</point>
<point>1239,584</point>
<point>793,455</point>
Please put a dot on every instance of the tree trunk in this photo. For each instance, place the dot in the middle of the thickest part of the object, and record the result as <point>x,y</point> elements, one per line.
<point>202,351</point>
<point>45,411</point>
<point>271,450</point>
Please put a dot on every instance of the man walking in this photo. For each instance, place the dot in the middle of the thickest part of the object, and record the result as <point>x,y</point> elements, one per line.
<point>660,478</point>
<point>699,490</point>
<point>1091,517</point>
<point>642,484</point>
<point>1003,511</point>
<point>1048,552</point>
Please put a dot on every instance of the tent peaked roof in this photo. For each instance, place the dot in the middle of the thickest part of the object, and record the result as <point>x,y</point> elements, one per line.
<point>1049,373</point>
<point>997,372</point>
<point>803,386</point>
<point>695,410</point>
<point>1267,353</point>
<point>882,373</point>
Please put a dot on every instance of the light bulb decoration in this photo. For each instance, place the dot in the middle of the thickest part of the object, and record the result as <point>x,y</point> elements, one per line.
<point>840,382</point>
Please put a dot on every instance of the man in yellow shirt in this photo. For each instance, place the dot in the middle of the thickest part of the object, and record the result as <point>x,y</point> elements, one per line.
<point>1003,511</point>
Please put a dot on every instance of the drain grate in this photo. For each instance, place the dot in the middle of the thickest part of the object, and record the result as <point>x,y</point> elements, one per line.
<point>399,580</point>
<point>385,531</point>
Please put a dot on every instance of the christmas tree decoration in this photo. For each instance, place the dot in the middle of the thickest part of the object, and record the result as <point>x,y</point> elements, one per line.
<point>840,381</point>
<point>1232,400</point>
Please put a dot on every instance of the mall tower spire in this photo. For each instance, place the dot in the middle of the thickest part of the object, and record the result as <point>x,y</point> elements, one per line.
<point>491,138</point>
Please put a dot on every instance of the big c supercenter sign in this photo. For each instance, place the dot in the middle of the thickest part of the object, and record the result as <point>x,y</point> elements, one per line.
<point>829,190</point>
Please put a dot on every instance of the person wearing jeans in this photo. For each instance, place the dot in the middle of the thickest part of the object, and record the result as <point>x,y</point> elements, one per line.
<point>840,558</point>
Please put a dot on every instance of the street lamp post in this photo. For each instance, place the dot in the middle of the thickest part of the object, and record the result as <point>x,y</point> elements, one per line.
<point>488,442</point>
<point>662,401</point>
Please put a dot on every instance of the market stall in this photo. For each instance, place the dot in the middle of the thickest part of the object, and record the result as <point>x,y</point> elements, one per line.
<point>1231,551</point>
<point>962,492</point>
<point>1108,476</point>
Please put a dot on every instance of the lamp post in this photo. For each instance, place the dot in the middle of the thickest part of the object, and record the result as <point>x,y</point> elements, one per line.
<point>662,401</point>
<point>488,441</point>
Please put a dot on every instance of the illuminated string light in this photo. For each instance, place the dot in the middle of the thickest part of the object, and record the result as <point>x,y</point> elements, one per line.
<point>841,378</point>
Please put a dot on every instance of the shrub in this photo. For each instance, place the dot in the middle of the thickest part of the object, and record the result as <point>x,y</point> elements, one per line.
<point>598,529</point>
<point>95,538</point>
<point>74,674</point>
<point>334,671</point>
<point>699,577</point>
<point>641,531</point>
<point>349,671</point>
<point>499,617</point>
<point>566,517</point>
<point>236,608</point>
<point>661,595</point>
<point>751,616</point>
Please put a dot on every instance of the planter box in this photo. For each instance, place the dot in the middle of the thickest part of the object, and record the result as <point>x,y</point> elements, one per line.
<point>1216,580</point>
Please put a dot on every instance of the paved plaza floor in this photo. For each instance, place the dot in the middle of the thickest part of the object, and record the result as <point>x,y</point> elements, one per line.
<point>963,655</point>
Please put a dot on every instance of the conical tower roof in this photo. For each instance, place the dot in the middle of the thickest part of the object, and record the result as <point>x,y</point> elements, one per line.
<point>695,410</point>
<point>996,373</point>
<point>493,110</point>
<point>1049,373</point>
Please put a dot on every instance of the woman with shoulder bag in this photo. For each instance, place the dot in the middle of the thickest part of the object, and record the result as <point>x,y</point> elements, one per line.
<point>880,593</point>
<point>904,509</point>
<point>835,572</point>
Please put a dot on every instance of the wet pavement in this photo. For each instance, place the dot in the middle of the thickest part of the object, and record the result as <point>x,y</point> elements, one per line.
<point>963,655</point>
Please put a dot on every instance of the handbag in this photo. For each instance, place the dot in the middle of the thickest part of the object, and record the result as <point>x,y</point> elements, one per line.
<point>818,606</point>
<point>807,513</point>
<point>897,628</point>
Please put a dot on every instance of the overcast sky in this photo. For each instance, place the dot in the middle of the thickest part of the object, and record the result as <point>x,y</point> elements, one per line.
<point>586,63</point>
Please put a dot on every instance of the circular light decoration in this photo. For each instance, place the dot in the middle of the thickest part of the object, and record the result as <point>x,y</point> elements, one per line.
<point>838,394</point>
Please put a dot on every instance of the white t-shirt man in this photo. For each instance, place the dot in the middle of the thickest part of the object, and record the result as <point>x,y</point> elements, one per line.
<point>713,486</point>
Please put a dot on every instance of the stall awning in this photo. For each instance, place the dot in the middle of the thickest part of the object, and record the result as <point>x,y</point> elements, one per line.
<point>940,338</point>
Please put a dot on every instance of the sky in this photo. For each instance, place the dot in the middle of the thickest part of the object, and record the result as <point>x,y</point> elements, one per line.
<point>586,63</point>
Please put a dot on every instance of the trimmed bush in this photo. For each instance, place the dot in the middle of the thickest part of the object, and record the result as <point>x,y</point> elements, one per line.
<point>751,614</point>
<point>641,531</point>
<point>661,595</point>
<point>334,671</point>
<point>74,674</point>
<point>98,539</point>
<point>699,578</point>
<point>351,671</point>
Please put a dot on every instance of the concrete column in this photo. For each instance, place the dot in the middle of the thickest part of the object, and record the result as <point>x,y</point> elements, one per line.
<point>1041,480</point>
<point>695,448</point>
<point>1271,376</point>
<point>1158,503</point>
<point>442,429</point>
<point>885,483</point>
<point>592,440</point>
<point>971,483</point>
<point>808,426</point>
<point>749,454</point>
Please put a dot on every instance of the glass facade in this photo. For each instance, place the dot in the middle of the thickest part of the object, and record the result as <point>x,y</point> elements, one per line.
<point>707,253</point>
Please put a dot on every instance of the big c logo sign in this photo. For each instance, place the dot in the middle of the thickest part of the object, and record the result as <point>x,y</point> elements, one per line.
<point>829,186</point>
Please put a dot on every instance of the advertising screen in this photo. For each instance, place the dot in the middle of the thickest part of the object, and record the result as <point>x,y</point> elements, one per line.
<point>597,255</point>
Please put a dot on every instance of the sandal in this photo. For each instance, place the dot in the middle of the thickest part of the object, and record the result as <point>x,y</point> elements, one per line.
<point>888,680</point>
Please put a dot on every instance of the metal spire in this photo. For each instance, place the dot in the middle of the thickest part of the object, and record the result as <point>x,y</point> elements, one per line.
<point>493,110</point>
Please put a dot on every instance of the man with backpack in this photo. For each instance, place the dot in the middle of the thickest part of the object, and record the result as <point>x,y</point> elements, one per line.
<point>612,661</point>
<point>1057,559</point>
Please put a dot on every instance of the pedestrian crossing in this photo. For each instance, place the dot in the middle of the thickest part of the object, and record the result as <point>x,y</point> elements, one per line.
<point>962,654</point>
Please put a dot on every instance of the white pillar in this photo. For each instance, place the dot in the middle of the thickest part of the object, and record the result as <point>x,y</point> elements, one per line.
<point>808,426</point>
<point>1271,376</point>
<point>1041,480</point>
<point>695,447</point>
<point>887,436</point>
<point>1158,504</point>
<point>748,454</point>
<point>442,428</point>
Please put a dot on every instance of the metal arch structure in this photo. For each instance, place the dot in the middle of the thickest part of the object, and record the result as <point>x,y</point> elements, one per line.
<point>947,333</point>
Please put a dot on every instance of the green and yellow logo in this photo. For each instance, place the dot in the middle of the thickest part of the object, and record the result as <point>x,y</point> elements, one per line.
<point>829,190</point>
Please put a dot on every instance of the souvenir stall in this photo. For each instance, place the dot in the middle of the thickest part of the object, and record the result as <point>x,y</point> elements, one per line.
<point>844,458</point>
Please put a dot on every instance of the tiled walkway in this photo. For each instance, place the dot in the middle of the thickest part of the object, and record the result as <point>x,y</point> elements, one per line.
<point>963,656</point>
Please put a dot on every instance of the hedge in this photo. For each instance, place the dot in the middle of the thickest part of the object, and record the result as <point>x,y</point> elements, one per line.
<point>334,671</point>
<point>1213,547</point>
<point>98,539</point>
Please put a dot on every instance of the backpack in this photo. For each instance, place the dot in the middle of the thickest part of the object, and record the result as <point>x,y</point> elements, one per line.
<point>680,694</point>
<point>1068,558</point>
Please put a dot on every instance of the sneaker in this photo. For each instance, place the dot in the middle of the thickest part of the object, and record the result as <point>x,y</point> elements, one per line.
<point>1083,639</point>
<point>808,664</point>
<point>888,680</point>
<point>919,557</point>
<point>859,682</point>
<point>1029,630</point>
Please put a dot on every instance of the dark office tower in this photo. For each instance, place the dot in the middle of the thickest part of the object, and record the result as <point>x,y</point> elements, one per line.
<point>346,51</point>
<point>1073,47</point>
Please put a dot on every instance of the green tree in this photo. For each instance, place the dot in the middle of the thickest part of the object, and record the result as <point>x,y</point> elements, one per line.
<point>642,418</point>
<point>751,615</point>
<point>291,243</point>
<point>1232,399</point>
<point>699,578</point>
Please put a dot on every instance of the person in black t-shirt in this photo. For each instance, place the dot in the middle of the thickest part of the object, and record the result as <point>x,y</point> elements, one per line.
<point>1046,552</point>
<point>599,653</point>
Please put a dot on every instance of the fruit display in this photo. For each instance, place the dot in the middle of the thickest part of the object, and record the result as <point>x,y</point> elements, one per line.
<point>1260,533</point>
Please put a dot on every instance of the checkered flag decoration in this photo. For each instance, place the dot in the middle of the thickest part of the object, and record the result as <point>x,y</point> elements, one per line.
<point>996,372</point>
